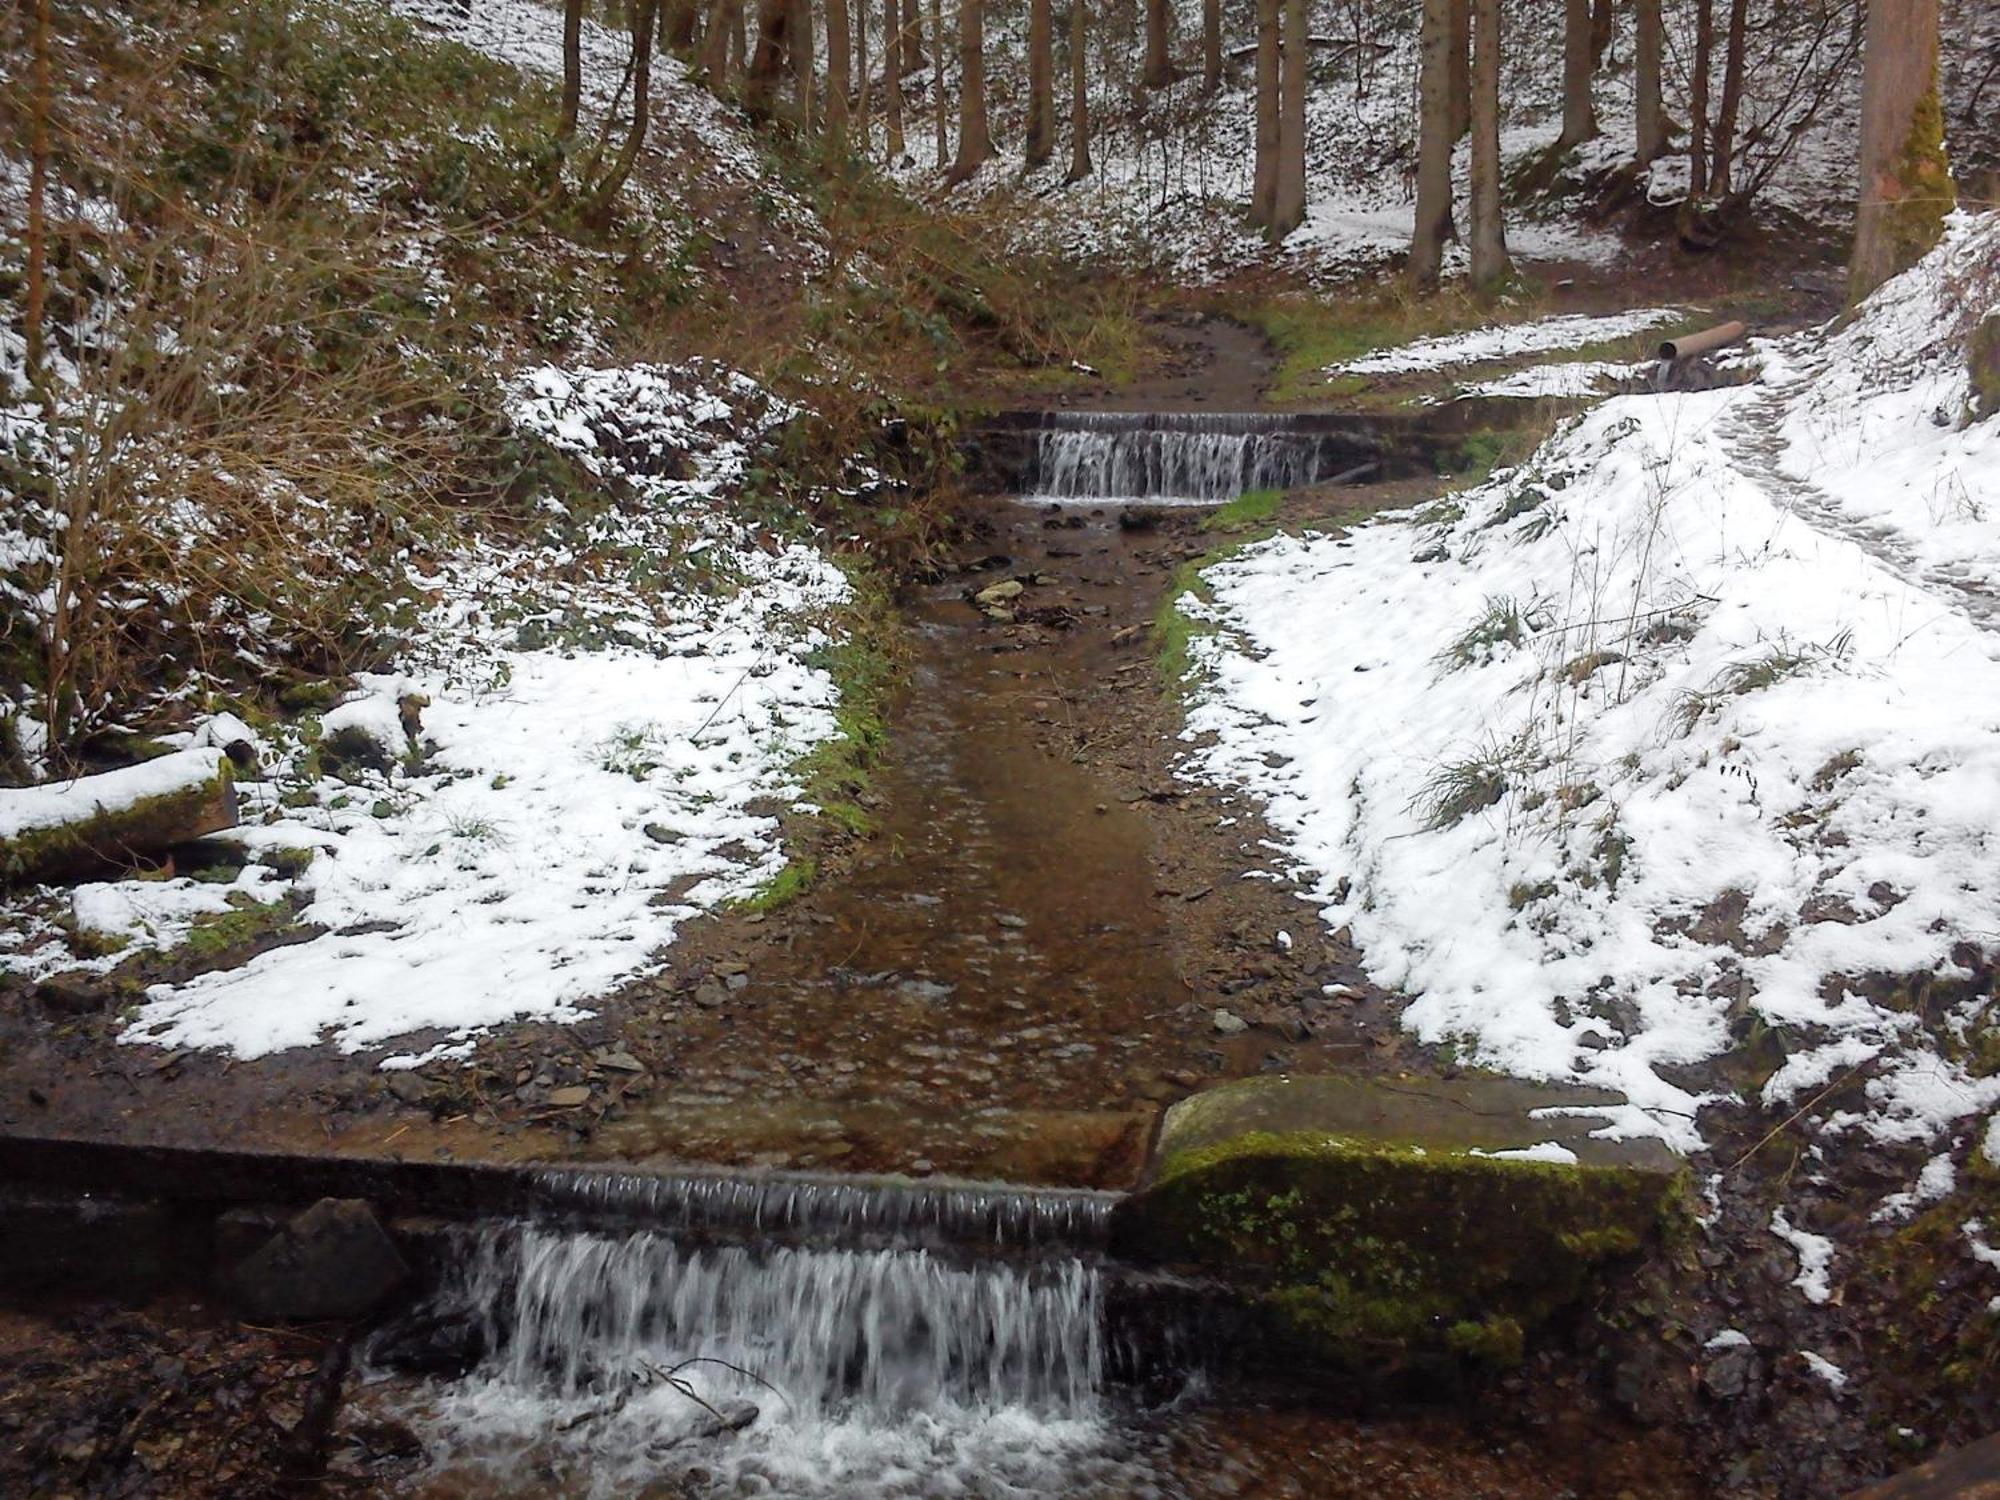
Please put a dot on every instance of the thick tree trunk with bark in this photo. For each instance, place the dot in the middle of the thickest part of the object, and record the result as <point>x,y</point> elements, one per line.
<point>1648,64</point>
<point>1579,117</point>
<point>1288,203</point>
<point>771,59</point>
<point>1906,186</point>
<point>1603,27</point>
<point>1079,91</point>
<point>1211,46</point>
<point>1434,143</point>
<point>572,66</point>
<point>975,142</point>
<point>1159,65</point>
<point>1461,69</point>
<point>1041,130</point>
<point>1722,153</point>
<point>837,44</point>
<point>1264,178</point>
<point>1490,266</point>
<point>1704,48</point>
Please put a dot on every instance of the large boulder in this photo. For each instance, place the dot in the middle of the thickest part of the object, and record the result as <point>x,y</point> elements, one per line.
<point>333,1261</point>
<point>1380,1222</point>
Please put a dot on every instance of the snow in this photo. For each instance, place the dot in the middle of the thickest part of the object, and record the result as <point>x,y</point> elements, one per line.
<point>54,804</point>
<point>1606,752</point>
<point>1510,341</point>
<point>1815,1257</point>
<point>1729,1338</point>
<point>1549,1151</point>
<point>1566,379</point>
<point>1825,1369</point>
<point>1938,1179</point>
<point>609,713</point>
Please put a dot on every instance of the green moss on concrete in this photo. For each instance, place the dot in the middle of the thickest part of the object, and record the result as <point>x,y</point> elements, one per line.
<point>108,836</point>
<point>1366,1252</point>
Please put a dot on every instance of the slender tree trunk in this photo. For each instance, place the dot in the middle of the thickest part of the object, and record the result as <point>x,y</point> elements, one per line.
<point>1490,266</point>
<point>1906,187</point>
<point>913,42</point>
<point>772,57</point>
<point>937,77</point>
<point>803,61</point>
<point>643,15</point>
<point>1288,204</point>
<point>1603,27</point>
<point>679,24</point>
<point>1704,46</point>
<point>1579,118</point>
<point>1434,143</point>
<point>837,44</point>
<point>892,77</point>
<point>739,42</point>
<point>1211,46</point>
<point>572,66</point>
<point>1264,180</point>
<point>1159,66</point>
<point>1079,92</point>
<point>1461,69</point>
<point>866,97</point>
<point>1041,142</point>
<point>34,315</point>
<point>1651,49</point>
<point>975,144</point>
<point>1722,156</point>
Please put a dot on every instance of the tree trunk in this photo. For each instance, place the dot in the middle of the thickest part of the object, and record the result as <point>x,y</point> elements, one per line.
<point>770,61</point>
<point>837,44</point>
<point>937,78</point>
<point>1579,118</point>
<point>1079,92</point>
<point>1460,86</point>
<point>1041,142</point>
<point>1723,153</point>
<point>605,192</point>
<point>975,144</point>
<point>892,77</point>
<point>1211,46</point>
<point>1159,66</point>
<point>803,60</point>
<point>1264,180</point>
<point>1906,187</point>
<point>1651,48</point>
<point>35,312</point>
<point>1490,266</point>
<point>1704,45</point>
<point>866,93</point>
<point>913,42</point>
<point>680,22</point>
<point>1603,27</point>
<point>1288,204</point>
<point>572,67</point>
<point>1434,143</point>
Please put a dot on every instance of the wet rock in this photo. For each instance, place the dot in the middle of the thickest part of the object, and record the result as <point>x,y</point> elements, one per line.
<point>659,833</point>
<point>430,1344</point>
<point>999,593</point>
<point>73,995</point>
<point>731,1416</point>
<point>709,994</point>
<point>1228,1023</point>
<point>621,1062</point>
<point>332,1261</point>
<point>409,1087</point>
<point>1727,1373</point>
<point>1013,923</point>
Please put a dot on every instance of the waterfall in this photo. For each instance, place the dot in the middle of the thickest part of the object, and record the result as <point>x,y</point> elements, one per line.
<point>1175,458</point>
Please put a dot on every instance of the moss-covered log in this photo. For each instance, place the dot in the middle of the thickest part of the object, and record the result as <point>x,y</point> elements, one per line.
<point>1374,1224</point>
<point>67,830</point>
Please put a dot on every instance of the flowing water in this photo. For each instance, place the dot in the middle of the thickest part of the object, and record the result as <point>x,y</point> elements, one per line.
<point>1176,458</point>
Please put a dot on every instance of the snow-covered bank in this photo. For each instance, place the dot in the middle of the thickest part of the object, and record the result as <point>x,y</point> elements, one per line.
<point>586,744</point>
<point>1627,756</point>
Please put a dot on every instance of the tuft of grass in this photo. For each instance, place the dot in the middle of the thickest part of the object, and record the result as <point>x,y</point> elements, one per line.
<point>1504,622</point>
<point>1248,511</point>
<point>1173,629</point>
<point>1457,789</point>
<point>786,886</point>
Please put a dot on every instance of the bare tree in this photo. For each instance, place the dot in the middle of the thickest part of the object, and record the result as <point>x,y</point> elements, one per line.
<point>1264,180</point>
<point>803,60</point>
<point>771,59</point>
<point>642,14</point>
<point>680,22</point>
<point>838,41</point>
<point>1579,117</point>
<point>892,77</point>
<point>1704,48</point>
<point>866,90</point>
<point>572,67</point>
<point>1041,129</point>
<point>1434,143</point>
<point>1723,137</point>
<point>1603,26</point>
<point>1211,46</point>
<point>937,81</point>
<point>1288,203</point>
<point>34,315</point>
<point>975,142</point>
<point>1079,92</point>
<point>724,21</point>
<point>1159,65</point>
<point>1906,187</point>
<point>1647,64</point>
<point>1490,265</point>
<point>1461,68</point>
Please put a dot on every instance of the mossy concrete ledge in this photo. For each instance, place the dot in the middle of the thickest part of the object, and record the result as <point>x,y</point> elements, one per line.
<point>92,824</point>
<point>1372,1224</point>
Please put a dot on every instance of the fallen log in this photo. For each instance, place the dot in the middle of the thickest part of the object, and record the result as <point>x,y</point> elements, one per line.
<point>1696,344</point>
<point>70,829</point>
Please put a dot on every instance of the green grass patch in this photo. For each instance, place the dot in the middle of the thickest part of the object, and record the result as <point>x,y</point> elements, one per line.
<point>1246,512</point>
<point>781,889</point>
<point>1174,629</point>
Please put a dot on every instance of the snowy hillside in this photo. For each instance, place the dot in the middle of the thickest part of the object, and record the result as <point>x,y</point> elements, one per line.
<point>1677,735</point>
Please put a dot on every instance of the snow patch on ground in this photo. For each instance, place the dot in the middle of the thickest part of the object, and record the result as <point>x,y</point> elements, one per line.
<point>1479,345</point>
<point>1627,750</point>
<point>1815,1258</point>
<point>26,809</point>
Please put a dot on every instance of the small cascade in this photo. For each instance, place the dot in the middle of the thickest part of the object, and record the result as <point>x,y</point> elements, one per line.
<point>1189,458</point>
<point>848,1212</point>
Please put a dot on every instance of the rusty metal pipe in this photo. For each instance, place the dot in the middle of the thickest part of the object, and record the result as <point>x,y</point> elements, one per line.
<point>1721,335</point>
